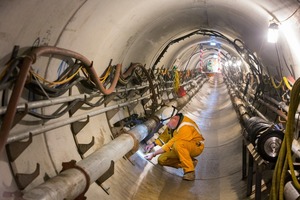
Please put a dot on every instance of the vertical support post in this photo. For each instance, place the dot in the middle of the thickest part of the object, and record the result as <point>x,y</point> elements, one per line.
<point>258,178</point>
<point>250,175</point>
<point>244,161</point>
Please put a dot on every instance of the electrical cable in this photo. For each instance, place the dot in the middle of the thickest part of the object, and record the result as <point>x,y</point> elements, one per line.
<point>9,68</point>
<point>59,113</point>
<point>290,68</point>
<point>284,161</point>
<point>279,63</point>
<point>51,83</point>
<point>50,91</point>
<point>106,74</point>
<point>274,84</point>
<point>55,114</point>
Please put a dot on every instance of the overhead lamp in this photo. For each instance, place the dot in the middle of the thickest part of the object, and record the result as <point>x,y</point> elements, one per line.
<point>273,33</point>
<point>215,56</point>
<point>213,43</point>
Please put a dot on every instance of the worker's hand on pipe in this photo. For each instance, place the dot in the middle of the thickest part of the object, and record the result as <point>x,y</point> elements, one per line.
<point>149,156</point>
<point>149,147</point>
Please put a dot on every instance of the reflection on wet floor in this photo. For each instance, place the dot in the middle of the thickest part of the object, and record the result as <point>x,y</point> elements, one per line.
<point>219,170</point>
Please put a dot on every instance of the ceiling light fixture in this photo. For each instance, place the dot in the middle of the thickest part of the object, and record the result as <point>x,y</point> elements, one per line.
<point>273,33</point>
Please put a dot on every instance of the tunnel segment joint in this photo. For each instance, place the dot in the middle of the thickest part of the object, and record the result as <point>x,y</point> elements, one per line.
<point>72,164</point>
<point>135,146</point>
<point>136,141</point>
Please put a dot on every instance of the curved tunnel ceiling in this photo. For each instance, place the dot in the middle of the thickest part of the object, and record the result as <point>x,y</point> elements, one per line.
<point>134,31</point>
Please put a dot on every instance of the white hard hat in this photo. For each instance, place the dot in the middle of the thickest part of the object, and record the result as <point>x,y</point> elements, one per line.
<point>167,114</point>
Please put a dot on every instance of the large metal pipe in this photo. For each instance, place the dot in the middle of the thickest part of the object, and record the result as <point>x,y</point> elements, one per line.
<point>72,182</point>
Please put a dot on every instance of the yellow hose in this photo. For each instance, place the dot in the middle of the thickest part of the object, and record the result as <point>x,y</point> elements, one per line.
<point>284,161</point>
<point>274,84</point>
<point>287,84</point>
<point>284,80</point>
<point>51,83</point>
<point>176,81</point>
<point>108,71</point>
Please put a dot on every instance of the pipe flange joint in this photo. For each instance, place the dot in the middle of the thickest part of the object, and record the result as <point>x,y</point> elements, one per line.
<point>72,164</point>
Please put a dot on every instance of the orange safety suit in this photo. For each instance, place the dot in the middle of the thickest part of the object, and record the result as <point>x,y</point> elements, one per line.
<point>181,145</point>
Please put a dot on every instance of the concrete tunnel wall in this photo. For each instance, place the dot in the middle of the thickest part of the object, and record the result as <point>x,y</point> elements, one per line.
<point>125,31</point>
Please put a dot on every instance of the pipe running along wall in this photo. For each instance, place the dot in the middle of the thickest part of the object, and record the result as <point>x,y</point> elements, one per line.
<point>265,135</point>
<point>73,182</point>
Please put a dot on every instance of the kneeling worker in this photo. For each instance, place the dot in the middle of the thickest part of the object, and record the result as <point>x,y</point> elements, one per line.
<point>180,143</point>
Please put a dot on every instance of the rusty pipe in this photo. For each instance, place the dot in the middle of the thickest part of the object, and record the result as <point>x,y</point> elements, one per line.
<point>13,102</point>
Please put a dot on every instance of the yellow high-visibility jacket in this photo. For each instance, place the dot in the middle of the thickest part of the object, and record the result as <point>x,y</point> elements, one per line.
<point>186,130</point>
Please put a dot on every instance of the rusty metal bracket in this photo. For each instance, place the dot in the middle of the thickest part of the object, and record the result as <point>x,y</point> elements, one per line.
<point>15,149</point>
<point>143,91</point>
<point>77,106</point>
<point>105,176</point>
<point>72,164</point>
<point>145,101</point>
<point>20,115</point>
<point>109,98</point>
<point>116,131</point>
<point>77,126</point>
<point>23,180</point>
<point>131,94</point>
<point>111,113</point>
<point>83,148</point>
<point>132,106</point>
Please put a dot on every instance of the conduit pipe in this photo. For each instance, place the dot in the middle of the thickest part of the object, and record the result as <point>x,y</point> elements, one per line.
<point>239,105</point>
<point>72,182</point>
<point>58,100</point>
<point>274,109</point>
<point>242,96</point>
<point>23,135</point>
<point>185,99</point>
<point>279,104</point>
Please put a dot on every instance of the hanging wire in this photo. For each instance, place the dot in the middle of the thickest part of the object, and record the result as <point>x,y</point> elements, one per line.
<point>41,87</point>
<point>291,14</point>
<point>51,83</point>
